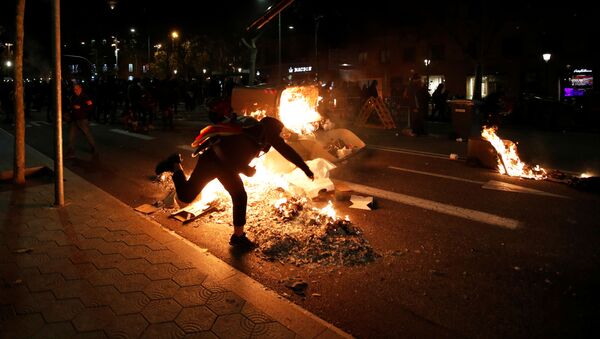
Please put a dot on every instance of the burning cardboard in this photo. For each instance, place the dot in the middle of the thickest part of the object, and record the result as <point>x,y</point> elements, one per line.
<point>503,153</point>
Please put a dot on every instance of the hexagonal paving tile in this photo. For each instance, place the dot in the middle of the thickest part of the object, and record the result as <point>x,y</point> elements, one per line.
<point>34,302</point>
<point>161,289</point>
<point>23,326</point>
<point>232,326</point>
<point>271,331</point>
<point>255,315</point>
<point>192,296</point>
<point>89,244</point>
<point>158,311</point>
<point>230,303</point>
<point>94,232</point>
<point>32,260</point>
<point>84,256</point>
<point>72,289</point>
<point>94,318</point>
<point>105,277</point>
<point>189,277</point>
<point>164,330</point>
<point>160,271</point>
<point>44,282</point>
<point>55,235</point>
<point>118,235</point>
<point>139,239</point>
<point>202,335</point>
<point>128,303</point>
<point>60,251</point>
<point>160,256</point>
<point>113,247</point>
<point>62,310</point>
<point>131,266</point>
<point>99,296</point>
<point>129,326</point>
<point>108,260</point>
<point>57,330</point>
<point>42,222</point>
<point>195,319</point>
<point>132,283</point>
<point>134,252</point>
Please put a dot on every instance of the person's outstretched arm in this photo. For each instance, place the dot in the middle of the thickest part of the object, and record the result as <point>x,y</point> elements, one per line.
<point>291,155</point>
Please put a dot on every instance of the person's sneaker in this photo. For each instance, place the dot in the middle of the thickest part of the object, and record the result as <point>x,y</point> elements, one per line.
<point>241,241</point>
<point>168,164</point>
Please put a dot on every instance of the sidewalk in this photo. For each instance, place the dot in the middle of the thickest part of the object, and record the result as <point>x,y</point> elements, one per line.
<point>97,268</point>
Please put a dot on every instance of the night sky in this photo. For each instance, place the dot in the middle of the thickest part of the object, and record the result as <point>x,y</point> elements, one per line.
<point>83,20</point>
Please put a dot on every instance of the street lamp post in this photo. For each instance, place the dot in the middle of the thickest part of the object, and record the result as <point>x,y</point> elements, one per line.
<point>427,62</point>
<point>174,35</point>
<point>546,57</point>
<point>115,44</point>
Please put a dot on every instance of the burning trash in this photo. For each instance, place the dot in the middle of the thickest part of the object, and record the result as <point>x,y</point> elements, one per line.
<point>282,217</point>
<point>508,159</point>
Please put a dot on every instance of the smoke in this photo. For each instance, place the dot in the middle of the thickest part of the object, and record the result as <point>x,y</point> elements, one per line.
<point>37,58</point>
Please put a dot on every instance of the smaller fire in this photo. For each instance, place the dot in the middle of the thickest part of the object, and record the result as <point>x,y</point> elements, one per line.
<point>508,159</point>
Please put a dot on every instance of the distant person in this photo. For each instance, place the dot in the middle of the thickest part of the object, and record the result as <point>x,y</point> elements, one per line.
<point>372,91</point>
<point>80,106</point>
<point>439,99</point>
<point>415,98</point>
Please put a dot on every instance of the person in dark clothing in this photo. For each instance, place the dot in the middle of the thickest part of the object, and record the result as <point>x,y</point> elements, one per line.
<point>439,100</point>
<point>224,160</point>
<point>80,106</point>
<point>417,99</point>
<point>372,91</point>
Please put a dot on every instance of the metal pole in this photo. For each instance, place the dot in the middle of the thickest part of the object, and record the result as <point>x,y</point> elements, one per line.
<point>59,189</point>
<point>279,56</point>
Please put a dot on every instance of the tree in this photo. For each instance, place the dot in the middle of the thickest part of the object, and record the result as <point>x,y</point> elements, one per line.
<point>19,160</point>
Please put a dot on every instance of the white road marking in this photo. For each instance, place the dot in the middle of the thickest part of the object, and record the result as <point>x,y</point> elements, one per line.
<point>135,135</point>
<point>410,151</point>
<point>506,187</point>
<point>456,211</point>
<point>491,184</point>
<point>437,175</point>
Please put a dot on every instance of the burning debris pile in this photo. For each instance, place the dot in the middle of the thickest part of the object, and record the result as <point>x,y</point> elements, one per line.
<point>508,159</point>
<point>281,216</point>
<point>338,148</point>
<point>289,228</point>
<point>509,163</point>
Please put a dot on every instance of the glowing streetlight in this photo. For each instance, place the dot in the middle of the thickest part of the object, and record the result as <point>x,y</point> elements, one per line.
<point>8,63</point>
<point>174,35</point>
<point>132,30</point>
<point>546,56</point>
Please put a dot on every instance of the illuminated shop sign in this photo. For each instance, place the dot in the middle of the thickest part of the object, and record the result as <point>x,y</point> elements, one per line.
<point>302,69</point>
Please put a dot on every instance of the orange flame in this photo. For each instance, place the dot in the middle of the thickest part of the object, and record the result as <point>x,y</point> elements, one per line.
<point>297,111</point>
<point>508,159</point>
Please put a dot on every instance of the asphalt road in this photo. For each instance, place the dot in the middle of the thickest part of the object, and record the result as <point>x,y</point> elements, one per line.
<point>457,259</point>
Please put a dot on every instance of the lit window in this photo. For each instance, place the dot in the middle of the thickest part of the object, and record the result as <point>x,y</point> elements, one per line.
<point>130,67</point>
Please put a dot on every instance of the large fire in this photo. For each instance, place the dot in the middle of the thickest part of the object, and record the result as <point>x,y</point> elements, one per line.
<point>508,159</point>
<point>297,111</point>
